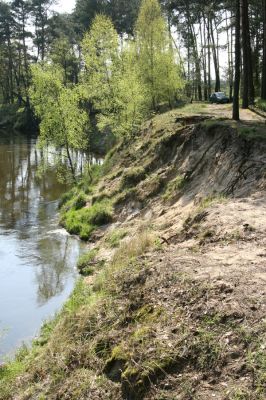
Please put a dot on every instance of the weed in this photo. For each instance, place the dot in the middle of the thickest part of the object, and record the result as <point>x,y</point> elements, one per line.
<point>174,187</point>
<point>209,201</point>
<point>114,238</point>
<point>86,262</point>
<point>132,177</point>
<point>261,104</point>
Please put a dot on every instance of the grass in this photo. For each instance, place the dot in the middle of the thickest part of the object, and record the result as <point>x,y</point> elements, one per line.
<point>173,187</point>
<point>84,221</point>
<point>59,336</point>
<point>114,238</point>
<point>132,177</point>
<point>112,335</point>
<point>87,262</point>
<point>261,104</point>
<point>252,132</point>
<point>209,201</point>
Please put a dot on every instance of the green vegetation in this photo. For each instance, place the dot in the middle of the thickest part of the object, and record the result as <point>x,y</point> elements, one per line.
<point>132,177</point>
<point>261,104</point>
<point>160,74</point>
<point>86,262</point>
<point>252,132</point>
<point>173,187</point>
<point>208,201</point>
<point>62,121</point>
<point>84,221</point>
<point>114,238</point>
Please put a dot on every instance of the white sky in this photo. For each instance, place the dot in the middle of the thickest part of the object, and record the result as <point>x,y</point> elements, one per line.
<point>65,5</point>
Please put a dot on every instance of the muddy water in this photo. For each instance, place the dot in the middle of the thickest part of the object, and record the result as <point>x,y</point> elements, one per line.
<point>37,258</point>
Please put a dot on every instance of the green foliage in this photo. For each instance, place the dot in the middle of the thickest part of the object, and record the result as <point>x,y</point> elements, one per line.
<point>57,106</point>
<point>132,177</point>
<point>84,221</point>
<point>62,54</point>
<point>261,104</point>
<point>114,238</point>
<point>173,187</point>
<point>111,81</point>
<point>85,260</point>
<point>80,201</point>
<point>158,68</point>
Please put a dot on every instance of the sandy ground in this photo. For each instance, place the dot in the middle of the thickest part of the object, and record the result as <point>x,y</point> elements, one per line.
<point>225,111</point>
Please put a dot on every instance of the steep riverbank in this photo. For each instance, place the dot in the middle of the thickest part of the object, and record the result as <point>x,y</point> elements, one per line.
<point>172,304</point>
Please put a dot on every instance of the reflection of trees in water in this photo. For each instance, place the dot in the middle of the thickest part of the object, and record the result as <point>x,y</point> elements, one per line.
<point>55,266</point>
<point>21,187</point>
<point>20,190</point>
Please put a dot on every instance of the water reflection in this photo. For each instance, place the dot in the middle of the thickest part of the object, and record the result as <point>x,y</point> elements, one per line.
<point>37,258</point>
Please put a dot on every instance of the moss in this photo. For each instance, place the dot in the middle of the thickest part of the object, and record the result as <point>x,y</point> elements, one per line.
<point>115,365</point>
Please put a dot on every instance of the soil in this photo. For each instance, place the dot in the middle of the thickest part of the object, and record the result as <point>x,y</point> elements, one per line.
<point>187,317</point>
<point>225,111</point>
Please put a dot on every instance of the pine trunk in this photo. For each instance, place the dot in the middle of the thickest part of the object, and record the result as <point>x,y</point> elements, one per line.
<point>237,62</point>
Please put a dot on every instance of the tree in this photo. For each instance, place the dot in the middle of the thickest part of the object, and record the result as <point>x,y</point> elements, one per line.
<point>40,14</point>
<point>62,52</point>
<point>237,61</point>
<point>100,50</point>
<point>158,69</point>
<point>58,108</point>
<point>123,14</point>
<point>7,24</point>
<point>21,10</point>
<point>111,79</point>
<point>85,12</point>
<point>248,85</point>
<point>263,85</point>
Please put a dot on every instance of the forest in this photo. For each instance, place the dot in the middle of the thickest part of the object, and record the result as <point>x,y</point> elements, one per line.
<point>132,200</point>
<point>191,49</point>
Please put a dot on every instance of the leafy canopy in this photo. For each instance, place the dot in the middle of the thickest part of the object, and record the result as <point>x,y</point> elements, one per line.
<point>157,60</point>
<point>57,106</point>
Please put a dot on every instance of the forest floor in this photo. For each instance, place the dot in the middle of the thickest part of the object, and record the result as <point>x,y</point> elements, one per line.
<point>173,303</point>
<point>225,111</point>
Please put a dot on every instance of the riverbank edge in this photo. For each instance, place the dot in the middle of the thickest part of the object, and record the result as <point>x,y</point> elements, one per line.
<point>102,291</point>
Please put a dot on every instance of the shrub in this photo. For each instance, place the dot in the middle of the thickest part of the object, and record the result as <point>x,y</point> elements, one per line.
<point>80,201</point>
<point>261,104</point>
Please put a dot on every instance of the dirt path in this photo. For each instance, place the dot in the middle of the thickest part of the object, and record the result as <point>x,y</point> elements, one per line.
<point>225,111</point>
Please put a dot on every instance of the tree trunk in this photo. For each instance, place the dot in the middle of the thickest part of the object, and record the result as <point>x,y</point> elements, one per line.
<point>237,62</point>
<point>215,61</point>
<point>248,85</point>
<point>263,85</point>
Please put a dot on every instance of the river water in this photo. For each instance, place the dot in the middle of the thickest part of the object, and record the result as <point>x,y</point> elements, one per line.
<point>37,257</point>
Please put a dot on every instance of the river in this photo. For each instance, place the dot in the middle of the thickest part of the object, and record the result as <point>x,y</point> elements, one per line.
<point>37,257</point>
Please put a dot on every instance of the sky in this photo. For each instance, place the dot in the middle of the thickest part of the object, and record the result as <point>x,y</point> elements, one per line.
<point>65,5</point>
